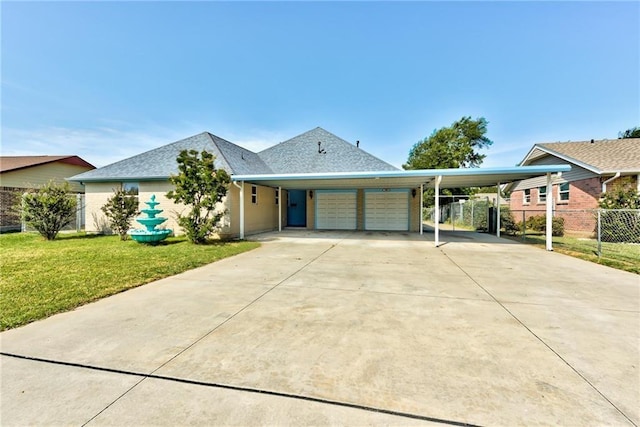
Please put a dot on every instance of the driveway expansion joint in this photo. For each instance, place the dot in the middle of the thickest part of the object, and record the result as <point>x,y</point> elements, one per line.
<point>235,388</point>
<point>541,340</point>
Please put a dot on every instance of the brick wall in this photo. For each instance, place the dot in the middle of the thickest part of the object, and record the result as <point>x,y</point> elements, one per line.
<point>9,218</point>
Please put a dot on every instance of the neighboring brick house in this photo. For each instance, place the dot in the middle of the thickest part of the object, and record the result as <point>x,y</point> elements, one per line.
<point>596,167</point>
<point>21,173</point>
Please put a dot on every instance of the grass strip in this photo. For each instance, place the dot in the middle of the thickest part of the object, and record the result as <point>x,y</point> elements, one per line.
<point>39,278</point>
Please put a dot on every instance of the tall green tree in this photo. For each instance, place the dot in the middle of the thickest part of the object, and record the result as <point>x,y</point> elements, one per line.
<point>48,209</point>
<point>630,133</point>
<point>200,186</point>
<point>455,146</point>
<point>120,210</point>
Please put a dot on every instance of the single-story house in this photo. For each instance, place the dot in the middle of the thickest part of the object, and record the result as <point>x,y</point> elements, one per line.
<point>21,173</point>
<point>597,167</point>
<point>315,180</point>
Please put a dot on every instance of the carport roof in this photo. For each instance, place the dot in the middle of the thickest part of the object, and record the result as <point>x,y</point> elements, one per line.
<point>451,178</point>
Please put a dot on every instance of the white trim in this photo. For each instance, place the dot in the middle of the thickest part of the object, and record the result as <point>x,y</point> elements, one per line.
<point>549,225</point>
<point>437,230</point>
<point>562,157</point>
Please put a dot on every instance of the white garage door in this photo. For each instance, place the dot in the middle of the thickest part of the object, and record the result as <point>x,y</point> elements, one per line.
<point>336,210</point>
<point>386,210</point>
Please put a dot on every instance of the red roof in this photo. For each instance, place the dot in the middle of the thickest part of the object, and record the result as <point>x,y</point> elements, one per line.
<point>11,163</point>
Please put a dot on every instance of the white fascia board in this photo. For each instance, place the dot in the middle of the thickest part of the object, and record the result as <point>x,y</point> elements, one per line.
<point>562,157</point>
<point>418,173</point>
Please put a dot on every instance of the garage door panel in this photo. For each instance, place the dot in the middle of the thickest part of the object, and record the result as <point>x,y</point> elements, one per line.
<point>336,211</point>
<point>387,210</point>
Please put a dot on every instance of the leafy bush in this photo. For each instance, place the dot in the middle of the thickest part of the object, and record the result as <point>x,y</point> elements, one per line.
<point>200,185</point>
<point>507,222</point>
<point>49,209</point>
<point>539,223</point>
<point>621,199</point>
<point>120,209</point>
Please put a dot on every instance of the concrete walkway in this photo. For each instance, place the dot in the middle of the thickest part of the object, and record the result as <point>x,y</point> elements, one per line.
<point>347,329</point>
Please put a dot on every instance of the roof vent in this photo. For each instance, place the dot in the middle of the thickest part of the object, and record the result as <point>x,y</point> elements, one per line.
<point>357,144</point>
<point>592,141</point>
<point>320,149</point>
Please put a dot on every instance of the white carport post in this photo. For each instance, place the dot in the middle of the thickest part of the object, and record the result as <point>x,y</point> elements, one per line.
<point>279,208</point>
<point>437,231</point>
<point>498,216</point>
<point>241,209</point>
<point>421,202</point>
<point>549,202</point>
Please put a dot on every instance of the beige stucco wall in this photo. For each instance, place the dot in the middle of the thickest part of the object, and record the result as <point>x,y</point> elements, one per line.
<point>37,176</point>
<point>259,217</point>
<point>415,211</point>
<point>97,194</point>
<point>311,211</point>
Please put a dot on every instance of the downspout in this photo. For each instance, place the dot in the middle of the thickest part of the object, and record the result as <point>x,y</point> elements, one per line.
<point>604,184</point>
<point>241,187</point>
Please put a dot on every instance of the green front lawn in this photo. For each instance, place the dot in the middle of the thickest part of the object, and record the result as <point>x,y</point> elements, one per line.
<point>39,278</point>
<point>623,256</point>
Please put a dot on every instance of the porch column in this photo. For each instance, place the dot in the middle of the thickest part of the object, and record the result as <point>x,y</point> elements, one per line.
<point>241,209</point>
<point>498,210</point>
<point>437,231</point>
<point>279,208</point>
<point>549,202</point>
<point>421,201</point>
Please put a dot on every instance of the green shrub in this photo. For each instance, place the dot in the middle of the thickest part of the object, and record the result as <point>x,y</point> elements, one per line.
<point>120,209</point>
<point>507,222</point>
<point>539,223</point>
<point>48,209</point>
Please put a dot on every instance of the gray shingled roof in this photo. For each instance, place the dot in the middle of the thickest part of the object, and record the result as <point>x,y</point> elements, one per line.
<point>160,163</point>
<point>300,155</point>
<point>600,156</point>
<point>296,155</point>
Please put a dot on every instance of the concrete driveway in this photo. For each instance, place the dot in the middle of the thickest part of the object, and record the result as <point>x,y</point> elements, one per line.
<point>343,328</point>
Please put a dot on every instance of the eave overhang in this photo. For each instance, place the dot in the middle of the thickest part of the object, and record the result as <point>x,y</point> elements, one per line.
<point>451,178</point>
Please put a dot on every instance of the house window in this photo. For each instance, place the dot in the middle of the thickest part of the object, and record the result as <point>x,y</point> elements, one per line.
<point>277,197</point>
<point>527,196</point>
<point>131,186</point>
<point>542,194</point>
<point>254,194</point>
<point>564,192</point>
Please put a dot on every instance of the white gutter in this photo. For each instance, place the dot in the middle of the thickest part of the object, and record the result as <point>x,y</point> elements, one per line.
<point>498,203</point>
<point>241,187</point>
<point>604,184</point>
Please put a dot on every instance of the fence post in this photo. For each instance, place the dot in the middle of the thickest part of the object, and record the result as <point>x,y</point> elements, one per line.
<point>599,235</point>
<point>472,214</point>
<point>23,224</point>
<point>78,213</point>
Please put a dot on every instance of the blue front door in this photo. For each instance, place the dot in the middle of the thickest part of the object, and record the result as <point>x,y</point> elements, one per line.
<point>297,208</point>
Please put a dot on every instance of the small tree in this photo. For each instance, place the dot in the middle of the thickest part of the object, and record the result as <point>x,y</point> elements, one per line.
<point>201,186</point>
<point>120,209</point>
<point>49,209</point>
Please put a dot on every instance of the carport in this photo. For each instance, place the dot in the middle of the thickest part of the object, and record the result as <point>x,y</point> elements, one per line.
<point>388,181</point>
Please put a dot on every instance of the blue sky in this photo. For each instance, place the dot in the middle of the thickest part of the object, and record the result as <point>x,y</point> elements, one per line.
<point>107,80</point>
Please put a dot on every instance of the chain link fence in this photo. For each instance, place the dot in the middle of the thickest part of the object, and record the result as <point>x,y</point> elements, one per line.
<point>10,219</point>
<point>610,233</point>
